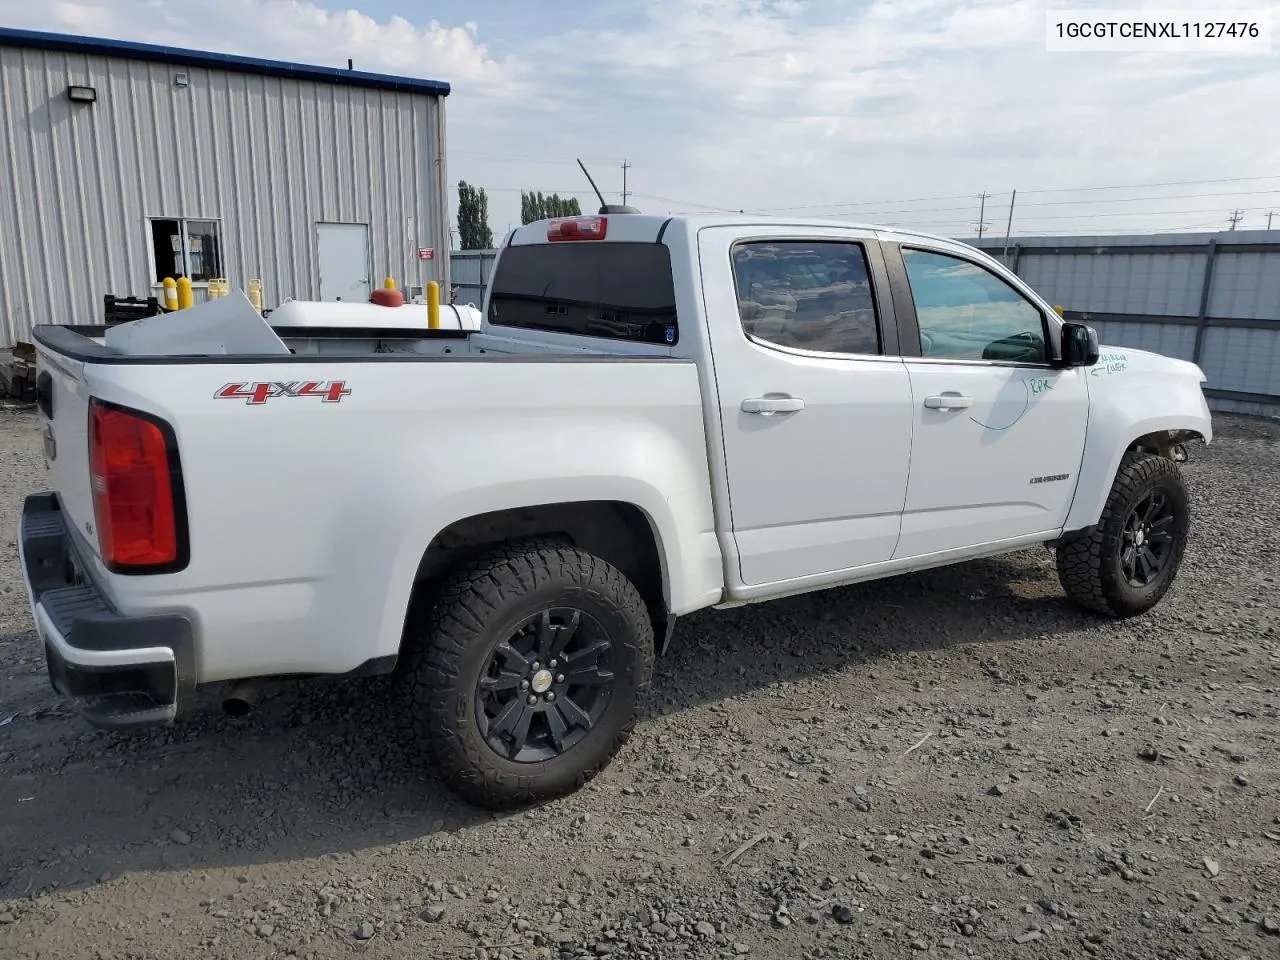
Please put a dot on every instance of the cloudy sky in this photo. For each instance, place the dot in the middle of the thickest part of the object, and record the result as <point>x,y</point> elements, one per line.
<point>893,111</point>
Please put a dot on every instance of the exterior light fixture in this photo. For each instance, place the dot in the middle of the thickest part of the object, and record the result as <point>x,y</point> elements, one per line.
<point>82,94</point>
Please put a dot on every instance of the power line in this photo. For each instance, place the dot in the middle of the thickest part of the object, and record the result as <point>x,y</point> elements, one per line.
<point>1135,214</point>
<point>1120,186</point>
<point>1136,186</point>
<point>686,203</point>
<point>1167,196</point>
<point>528,158</point>
<point>866,203</point>
<point>833,207</point>
<point>543,158</point>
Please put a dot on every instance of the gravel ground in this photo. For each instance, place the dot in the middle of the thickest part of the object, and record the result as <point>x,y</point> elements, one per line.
<point>954,763</point>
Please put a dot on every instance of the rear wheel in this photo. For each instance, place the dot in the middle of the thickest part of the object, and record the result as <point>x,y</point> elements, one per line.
<point>1127,564</point>
<point>527,672</point>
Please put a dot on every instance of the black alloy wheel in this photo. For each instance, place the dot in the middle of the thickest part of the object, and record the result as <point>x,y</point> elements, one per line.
<point>545,687</point>
<point>526,671</point>
<point>1146,544</point>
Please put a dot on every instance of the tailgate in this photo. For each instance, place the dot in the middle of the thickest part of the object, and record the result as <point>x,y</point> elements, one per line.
<point>62,396</point>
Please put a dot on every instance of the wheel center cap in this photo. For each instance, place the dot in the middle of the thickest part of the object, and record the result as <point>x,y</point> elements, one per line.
<point>541,681</point>
<point>1140,536</point>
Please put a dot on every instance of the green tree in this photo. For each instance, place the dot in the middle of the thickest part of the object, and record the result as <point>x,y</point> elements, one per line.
<point>539,206</point>
<point>473,218</point>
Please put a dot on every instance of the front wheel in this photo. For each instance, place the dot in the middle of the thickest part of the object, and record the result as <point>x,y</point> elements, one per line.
<point>1126,565</point>
<point>527,673</point>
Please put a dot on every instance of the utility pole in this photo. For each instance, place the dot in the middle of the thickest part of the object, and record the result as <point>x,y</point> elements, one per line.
<point>1009,227</point>
<point>626,164</point>
<point>1235,217</point>
<point>1270,214</point>
<point>982,214</point>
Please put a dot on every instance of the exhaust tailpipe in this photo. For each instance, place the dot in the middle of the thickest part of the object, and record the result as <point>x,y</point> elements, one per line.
<point>242,696</point>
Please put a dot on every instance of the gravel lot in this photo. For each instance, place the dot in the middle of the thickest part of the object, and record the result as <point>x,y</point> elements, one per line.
<point>954,763</point>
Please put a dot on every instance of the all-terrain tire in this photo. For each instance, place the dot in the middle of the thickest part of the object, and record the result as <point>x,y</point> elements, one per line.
<point>451,638</point>
<point>1090,567</point>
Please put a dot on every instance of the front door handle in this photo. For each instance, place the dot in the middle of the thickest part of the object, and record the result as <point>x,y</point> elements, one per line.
<point>948,401</point>
<point>769,405</point>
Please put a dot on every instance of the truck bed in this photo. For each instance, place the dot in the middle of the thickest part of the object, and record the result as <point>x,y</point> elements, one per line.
<point>317,476</point>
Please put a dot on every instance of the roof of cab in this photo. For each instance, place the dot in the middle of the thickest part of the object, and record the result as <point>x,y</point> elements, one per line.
<point>644,227</point>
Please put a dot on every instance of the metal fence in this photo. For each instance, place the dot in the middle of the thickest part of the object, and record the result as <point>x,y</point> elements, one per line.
<point>1212,298</point>
<point>469,272</point>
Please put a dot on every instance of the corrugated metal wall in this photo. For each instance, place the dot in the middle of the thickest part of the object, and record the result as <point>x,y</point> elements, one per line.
<point>470,271</point>
<point>1213,298</point>
<point>267,156</point>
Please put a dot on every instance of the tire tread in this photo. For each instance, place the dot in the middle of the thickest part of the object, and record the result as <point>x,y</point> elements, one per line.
<point>438,635</point>
<point>1081,562</point>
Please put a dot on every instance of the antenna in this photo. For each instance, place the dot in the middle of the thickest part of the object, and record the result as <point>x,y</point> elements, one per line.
<point>593,184</point>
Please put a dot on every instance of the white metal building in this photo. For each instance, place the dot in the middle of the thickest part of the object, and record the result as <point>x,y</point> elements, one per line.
<point>124,163</point>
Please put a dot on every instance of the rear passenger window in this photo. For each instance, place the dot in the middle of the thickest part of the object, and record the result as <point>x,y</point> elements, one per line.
<point>808,295</point>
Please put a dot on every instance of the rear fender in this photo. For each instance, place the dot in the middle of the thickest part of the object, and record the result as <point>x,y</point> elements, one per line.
<point>691,570</point>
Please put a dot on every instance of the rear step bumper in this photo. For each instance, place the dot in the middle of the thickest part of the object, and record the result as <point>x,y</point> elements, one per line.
<point>124,671</point>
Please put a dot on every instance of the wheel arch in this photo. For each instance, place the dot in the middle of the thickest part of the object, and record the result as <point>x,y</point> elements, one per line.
<point>1105,447</point>
<point>1165,443</point>
<point>617,531</point>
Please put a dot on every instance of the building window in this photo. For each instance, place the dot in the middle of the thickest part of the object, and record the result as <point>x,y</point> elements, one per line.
<point>186,248</point>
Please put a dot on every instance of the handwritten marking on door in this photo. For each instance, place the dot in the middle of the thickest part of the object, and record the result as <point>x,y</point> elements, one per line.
<point>1034,386</point>
<point>1110,363</point>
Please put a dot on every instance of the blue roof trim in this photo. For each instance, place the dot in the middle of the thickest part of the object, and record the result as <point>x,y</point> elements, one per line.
<point>94,46</point>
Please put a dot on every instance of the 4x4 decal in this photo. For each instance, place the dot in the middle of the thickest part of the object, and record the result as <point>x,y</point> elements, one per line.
<point>256,394</point>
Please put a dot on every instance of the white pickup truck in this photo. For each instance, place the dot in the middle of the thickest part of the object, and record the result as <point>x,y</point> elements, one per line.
<point>658,415</point>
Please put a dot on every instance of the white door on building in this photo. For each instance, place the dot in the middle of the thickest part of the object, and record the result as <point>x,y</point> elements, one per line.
<point>342,250</point>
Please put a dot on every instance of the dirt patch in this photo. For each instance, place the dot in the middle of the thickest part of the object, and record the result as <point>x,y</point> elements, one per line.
<point>954,763</point>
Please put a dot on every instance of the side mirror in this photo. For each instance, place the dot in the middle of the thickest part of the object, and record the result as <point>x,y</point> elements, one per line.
<point>1079,345</point>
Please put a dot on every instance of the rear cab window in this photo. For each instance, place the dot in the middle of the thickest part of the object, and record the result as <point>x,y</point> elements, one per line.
<point>613,290</point>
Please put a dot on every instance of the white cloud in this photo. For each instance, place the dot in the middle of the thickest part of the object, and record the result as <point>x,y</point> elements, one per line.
<point>774,103</point>
<point>285,30</point>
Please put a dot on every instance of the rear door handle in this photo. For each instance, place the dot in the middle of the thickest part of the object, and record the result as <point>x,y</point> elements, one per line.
<point>948,401</point>
<point>768,405</point>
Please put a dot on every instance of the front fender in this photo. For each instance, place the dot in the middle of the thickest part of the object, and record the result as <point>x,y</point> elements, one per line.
<point>1132,393</point>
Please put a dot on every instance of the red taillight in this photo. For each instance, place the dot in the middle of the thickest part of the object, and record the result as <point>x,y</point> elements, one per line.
<point>578,228</point>
<point>133,489</point>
